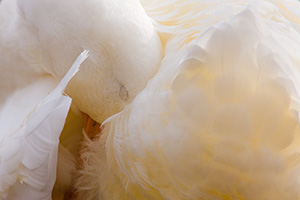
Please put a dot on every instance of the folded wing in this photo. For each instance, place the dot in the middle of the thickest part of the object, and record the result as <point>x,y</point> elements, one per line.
<point>31,122</point>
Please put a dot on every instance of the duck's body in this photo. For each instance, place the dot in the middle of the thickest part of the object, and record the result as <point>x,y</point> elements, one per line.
<point>219,120</point>
<point>13,59</point>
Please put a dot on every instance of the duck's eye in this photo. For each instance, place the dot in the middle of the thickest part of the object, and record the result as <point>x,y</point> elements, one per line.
<point>123,93</point>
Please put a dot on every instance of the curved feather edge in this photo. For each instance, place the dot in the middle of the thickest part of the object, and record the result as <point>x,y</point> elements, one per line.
<point>29,171</point>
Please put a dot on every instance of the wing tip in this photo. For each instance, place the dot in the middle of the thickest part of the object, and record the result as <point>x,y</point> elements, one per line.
<point>74,69</point>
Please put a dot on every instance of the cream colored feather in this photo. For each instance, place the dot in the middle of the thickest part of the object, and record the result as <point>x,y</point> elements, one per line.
<point>220,118</point>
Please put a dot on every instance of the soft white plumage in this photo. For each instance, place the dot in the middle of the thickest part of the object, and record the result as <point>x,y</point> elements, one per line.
<point>123,56</point>
<point>220,117</point>
<point>31,121</point>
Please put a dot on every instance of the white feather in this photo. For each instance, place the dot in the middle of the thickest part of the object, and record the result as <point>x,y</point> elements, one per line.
<point>29,144</point>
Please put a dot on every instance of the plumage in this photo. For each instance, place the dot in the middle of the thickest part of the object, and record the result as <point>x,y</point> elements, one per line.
<point>220,118</point>
<point>31,121</point>
<point>198,99</point>
<point>127,50</point>
<point>109,79</point>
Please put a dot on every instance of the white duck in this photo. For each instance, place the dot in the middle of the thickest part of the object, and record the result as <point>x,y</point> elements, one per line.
<point>218,121</point>
<point>123,56</point>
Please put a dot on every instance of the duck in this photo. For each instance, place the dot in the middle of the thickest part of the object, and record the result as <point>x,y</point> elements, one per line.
<point>196,99</point>
<point>108,79</point>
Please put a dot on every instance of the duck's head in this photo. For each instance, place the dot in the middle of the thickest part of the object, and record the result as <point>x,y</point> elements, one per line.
<point>125,49</point>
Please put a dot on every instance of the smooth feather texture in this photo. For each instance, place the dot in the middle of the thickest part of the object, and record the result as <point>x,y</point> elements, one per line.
<point>220,119</point>
<point>42,38</point>
<point>125,50</point>
<point>30,131</point>
<point>15,52</point>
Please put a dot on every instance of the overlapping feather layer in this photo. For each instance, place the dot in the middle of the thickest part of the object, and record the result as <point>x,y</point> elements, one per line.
<point>31,121</point>
<point>218,121</point>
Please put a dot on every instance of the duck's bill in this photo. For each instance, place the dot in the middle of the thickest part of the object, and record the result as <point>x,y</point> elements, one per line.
<point>91,128</point>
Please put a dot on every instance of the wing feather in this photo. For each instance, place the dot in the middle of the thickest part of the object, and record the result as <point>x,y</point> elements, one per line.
<point>28,151</point>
